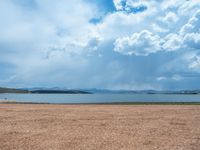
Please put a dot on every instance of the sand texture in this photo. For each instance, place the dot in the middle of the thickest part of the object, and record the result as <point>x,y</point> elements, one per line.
<point>99,127</point>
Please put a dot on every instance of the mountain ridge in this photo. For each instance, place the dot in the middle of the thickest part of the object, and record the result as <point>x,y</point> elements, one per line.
<point>57,90</point>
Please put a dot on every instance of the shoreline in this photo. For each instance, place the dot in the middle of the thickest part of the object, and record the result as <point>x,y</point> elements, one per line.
<point>108,103</point>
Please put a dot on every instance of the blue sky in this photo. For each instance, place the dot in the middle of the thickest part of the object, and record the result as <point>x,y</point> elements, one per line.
<point>112,44</point>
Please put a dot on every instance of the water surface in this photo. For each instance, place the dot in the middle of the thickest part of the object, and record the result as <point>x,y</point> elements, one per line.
<point>100,98</point>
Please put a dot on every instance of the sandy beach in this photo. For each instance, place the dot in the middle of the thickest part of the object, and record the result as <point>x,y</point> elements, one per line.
<point>99,127</point>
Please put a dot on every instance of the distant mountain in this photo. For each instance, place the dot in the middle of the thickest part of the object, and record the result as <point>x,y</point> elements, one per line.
<point>42,91</point>
<point>57,90</point>
<point>12,90</point>
<point>143,91</point>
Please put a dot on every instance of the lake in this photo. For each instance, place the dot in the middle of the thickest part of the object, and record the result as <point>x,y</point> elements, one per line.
<point>100,98</point>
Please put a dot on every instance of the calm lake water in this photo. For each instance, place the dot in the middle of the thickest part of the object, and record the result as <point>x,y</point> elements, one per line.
<point>100,98</point>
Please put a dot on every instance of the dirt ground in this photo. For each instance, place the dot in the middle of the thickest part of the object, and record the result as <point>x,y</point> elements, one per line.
<point>99,127</point>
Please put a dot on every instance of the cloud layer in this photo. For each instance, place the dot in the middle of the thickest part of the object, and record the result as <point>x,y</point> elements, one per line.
<point>119,44</point>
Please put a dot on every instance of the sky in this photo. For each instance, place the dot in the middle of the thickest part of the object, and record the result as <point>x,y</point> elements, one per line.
<point>111,44</point>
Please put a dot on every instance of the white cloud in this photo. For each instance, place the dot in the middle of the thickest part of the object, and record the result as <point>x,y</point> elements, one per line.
<point>161,78</point>
<point>44,26</point>
<point>195,63</point>
<point>143,43</point>
<point>177,77</point>
<point>169,4</point>
<point>118,4</point>
<point>134,6</point>
<point>120,24</point>
<point>172,42</point>
<point>192,40</point>
<point>186,6</point>
<point>170,18</point>
<point>174,77</point>
<point>193,25</point>
<point>156,28</point>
